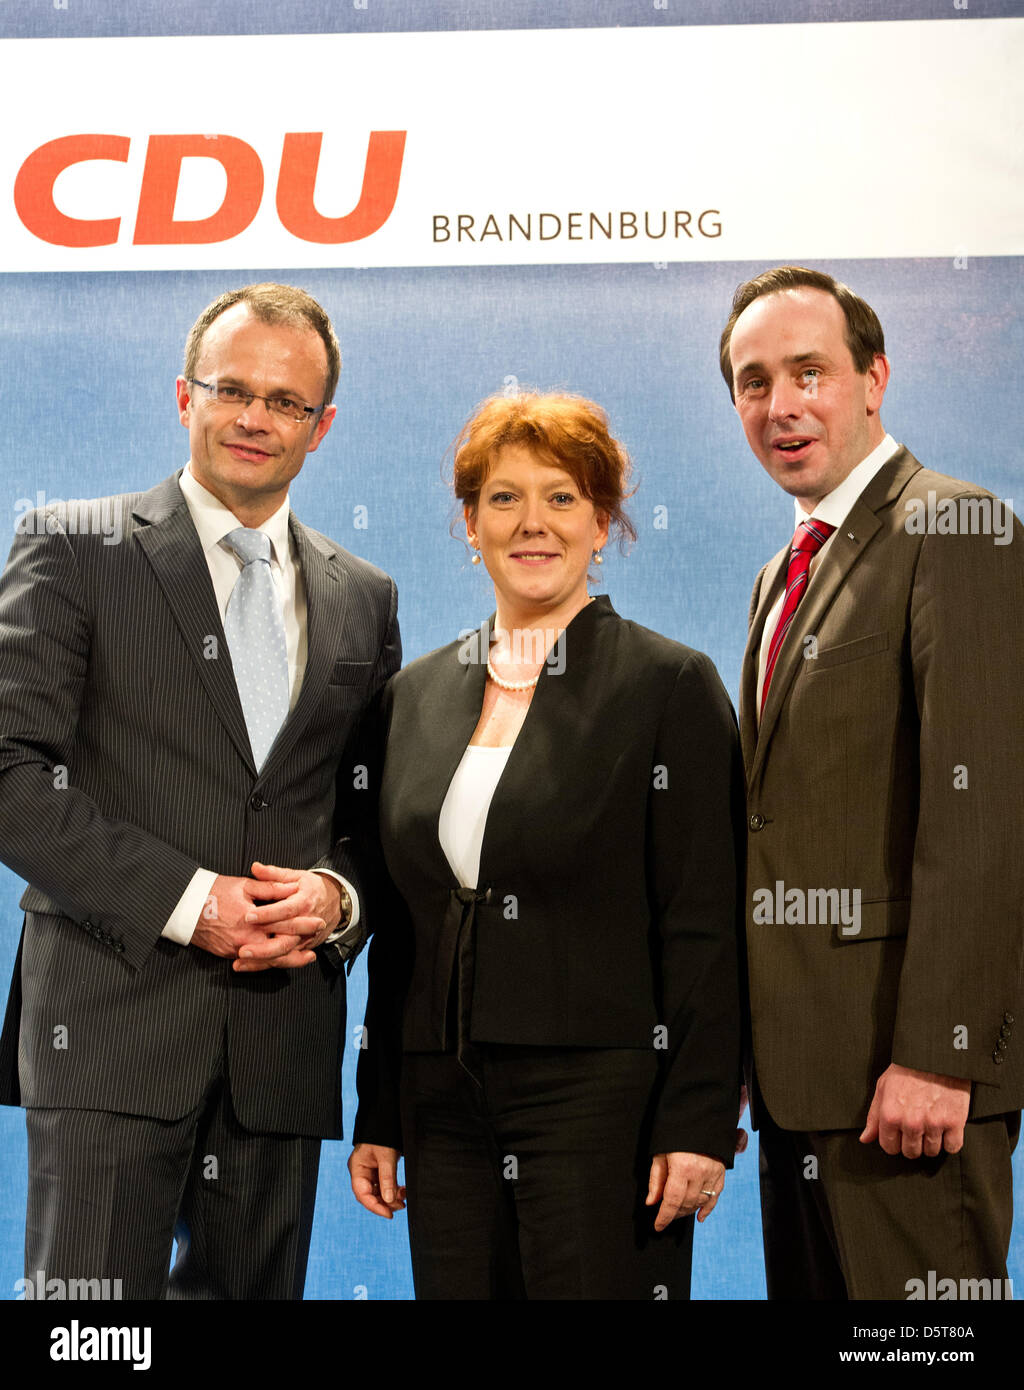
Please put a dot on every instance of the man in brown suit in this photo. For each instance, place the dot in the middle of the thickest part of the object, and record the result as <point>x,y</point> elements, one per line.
<point>882,718</point>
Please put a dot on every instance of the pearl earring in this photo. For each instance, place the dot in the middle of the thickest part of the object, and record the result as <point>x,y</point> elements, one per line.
<point>598,558</point>
<point>476,558</point>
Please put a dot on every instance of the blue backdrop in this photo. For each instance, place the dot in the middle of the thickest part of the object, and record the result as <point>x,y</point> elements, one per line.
<point>90,362</point>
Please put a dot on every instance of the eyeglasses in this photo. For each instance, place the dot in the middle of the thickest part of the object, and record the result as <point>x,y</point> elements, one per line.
<point>285,407</point>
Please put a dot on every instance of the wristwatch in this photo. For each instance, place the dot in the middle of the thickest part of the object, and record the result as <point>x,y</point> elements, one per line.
<point>345,910</point>
<point>345,942</point>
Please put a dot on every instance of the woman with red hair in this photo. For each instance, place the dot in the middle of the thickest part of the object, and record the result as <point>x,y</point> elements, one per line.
<point>552,1029</point>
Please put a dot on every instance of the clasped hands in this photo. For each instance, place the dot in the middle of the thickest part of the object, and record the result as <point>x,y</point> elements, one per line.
<point>274,920</point>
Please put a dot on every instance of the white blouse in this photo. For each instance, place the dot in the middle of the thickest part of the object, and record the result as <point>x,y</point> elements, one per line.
<point>463,816</point>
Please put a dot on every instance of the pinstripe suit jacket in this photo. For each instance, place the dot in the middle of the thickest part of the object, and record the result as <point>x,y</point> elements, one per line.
<point>124,766</point>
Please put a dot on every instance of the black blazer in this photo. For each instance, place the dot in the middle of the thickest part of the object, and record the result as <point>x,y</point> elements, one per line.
<point>114,669</point>
<point>610,860</point>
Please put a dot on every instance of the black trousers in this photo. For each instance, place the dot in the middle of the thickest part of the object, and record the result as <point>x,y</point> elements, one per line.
<point>531,1184</point>
<point>845,1220</point>
<point>108,1193</point>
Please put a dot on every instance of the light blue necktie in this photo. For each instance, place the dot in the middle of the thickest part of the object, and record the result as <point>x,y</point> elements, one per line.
<point>254,627</point>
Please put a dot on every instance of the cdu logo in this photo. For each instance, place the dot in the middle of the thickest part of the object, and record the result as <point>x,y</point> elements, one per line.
<point>155,223</point>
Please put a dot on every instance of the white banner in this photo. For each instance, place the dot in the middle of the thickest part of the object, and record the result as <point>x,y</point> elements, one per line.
<point>723,143</point>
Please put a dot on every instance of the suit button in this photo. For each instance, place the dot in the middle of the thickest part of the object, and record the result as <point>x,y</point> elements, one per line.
<point>1007,1018</point>
<point>256,802</point>
<point>998,1057</point>
<point>1004,1032</point>
<point>756,821</point>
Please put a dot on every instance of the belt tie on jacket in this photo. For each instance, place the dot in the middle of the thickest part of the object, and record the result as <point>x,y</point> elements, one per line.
<point>461,922</point>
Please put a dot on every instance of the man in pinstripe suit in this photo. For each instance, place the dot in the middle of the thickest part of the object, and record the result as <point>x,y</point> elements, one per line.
<point>176,1022</point>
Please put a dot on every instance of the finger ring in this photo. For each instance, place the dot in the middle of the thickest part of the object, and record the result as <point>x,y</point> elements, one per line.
<point>706,1193</point>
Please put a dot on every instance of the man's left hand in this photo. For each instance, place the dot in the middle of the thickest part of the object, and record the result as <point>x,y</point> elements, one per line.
<point>682,1182</point>
<point>918,1112</point>
<point>316,899</point>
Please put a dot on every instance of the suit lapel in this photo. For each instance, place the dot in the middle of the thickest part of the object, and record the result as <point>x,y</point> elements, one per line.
<point>850,542</point>
<point>766,591</point>
<point>557,712</point>
<point>453,712</point>
<point>170,543</point>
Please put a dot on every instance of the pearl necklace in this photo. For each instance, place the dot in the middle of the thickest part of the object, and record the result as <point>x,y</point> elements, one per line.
<point>511,685</point>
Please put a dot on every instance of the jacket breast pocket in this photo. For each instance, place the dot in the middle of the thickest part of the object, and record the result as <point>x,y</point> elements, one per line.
<point>828,657</point>
<point>348,682</point>
<point>873,921</point>
<point>351,672</point>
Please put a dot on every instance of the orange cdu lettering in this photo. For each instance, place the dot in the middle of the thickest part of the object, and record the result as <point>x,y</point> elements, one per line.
<point>33,190</point>
<point>155,224</point>
<point>300,159</point>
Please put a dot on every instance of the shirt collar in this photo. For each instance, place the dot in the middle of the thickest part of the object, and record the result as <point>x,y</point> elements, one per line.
<point>835,508</point>
<point>214,521</point>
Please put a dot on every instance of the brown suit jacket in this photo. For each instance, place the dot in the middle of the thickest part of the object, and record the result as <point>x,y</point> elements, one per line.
<point>889,760</point>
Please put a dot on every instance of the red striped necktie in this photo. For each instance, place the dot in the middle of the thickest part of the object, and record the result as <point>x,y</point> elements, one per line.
<point>808,539</point>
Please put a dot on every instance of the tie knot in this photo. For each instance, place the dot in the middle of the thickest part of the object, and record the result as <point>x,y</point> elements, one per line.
<point>471,895</point>
<point>811,535</point>
<point>249,545</point>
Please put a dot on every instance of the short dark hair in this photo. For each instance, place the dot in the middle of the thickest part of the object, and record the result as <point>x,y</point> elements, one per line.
<point>568,430</point>
<point>270,303</point>
<point>864,336</point>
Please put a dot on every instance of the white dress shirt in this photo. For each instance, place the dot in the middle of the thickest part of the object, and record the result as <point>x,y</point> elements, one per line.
<point>833,509</point>
<point>463,818</point>
<point>213,521</point>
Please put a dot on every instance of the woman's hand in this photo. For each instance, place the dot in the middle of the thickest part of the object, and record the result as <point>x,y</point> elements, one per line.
<point>681,1183</point>
<point>374,1171</point>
